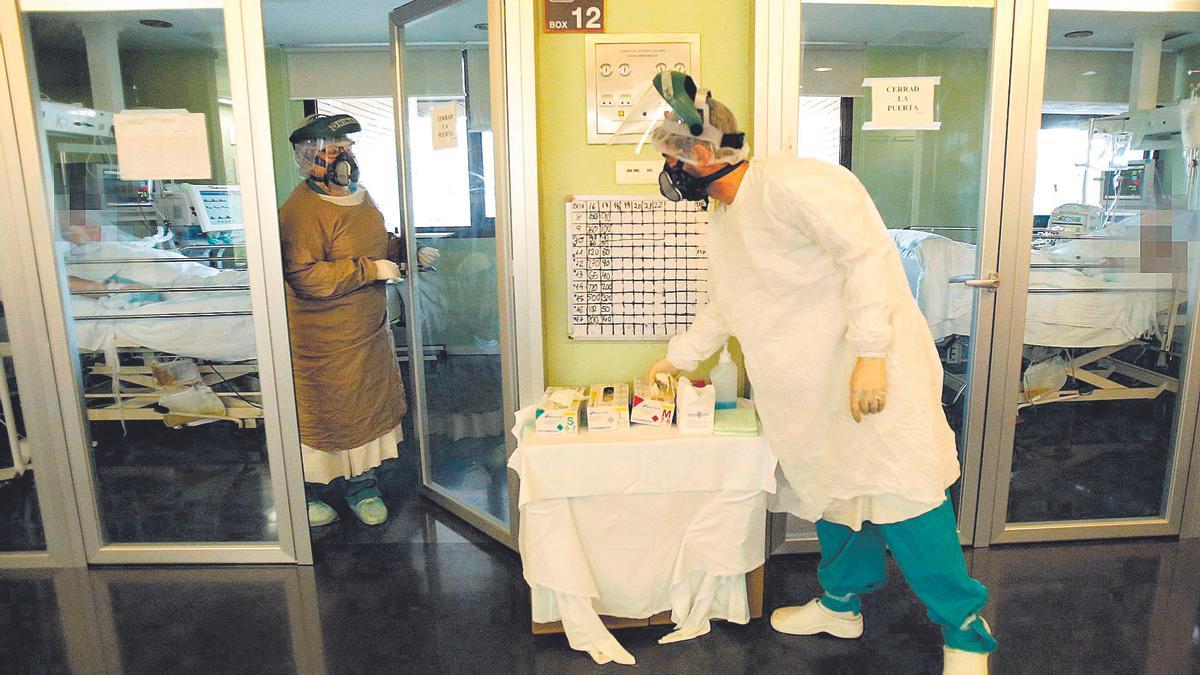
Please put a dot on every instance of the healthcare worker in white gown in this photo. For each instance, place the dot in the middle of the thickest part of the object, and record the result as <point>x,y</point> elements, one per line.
<point>845,373</point>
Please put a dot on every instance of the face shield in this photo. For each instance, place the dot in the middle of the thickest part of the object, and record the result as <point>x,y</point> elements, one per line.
<point>324,152</point>
<point>674,116</point>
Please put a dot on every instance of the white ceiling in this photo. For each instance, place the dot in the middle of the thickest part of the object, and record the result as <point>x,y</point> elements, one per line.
<point>880,25</point>
<point>313,22</point>
<point>1117,30</point>
<point>286,22</point>
<point>192,29</point>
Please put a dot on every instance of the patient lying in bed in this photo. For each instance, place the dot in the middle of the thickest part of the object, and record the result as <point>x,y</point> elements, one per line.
<point>222,338</point>
<point>1093,316</point>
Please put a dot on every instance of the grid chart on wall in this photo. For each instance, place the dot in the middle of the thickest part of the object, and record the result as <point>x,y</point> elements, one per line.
<point>637,267</point>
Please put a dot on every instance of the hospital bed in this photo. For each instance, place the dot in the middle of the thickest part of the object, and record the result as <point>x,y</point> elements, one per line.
<point>181,308</point>
<point>1090,314</point>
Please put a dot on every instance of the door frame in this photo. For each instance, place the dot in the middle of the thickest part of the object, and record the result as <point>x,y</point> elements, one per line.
<point>266,281</point>
<point>511,35</point>
<point>1029,69</point>
<point>30,350</point>
<point>779,36</point>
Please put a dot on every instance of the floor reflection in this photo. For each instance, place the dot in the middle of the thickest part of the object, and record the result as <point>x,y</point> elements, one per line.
<point>449,601</point>
<point>1075,461</point>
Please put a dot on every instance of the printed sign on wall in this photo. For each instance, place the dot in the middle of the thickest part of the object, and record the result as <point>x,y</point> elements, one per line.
<point>574,16</point>
<point>445,126</point>
<point>902,103</point>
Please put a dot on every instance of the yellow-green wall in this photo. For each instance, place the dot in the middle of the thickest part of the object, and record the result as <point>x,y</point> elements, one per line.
<point>285,114</point>
<point>568,165</point>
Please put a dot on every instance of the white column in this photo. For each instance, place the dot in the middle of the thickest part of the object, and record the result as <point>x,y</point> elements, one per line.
<point>1147,57</point>
<point>104,65</point>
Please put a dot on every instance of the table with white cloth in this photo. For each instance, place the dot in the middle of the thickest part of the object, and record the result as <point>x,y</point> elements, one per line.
<point>635,522</point>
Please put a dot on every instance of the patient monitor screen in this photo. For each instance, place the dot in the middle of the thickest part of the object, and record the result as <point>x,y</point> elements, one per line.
<point>1125,184</point>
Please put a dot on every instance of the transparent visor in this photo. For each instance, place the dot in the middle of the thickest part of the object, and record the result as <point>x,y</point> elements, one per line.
<point>314,157</point>
<point>651,121</point>
<point>641,119</point>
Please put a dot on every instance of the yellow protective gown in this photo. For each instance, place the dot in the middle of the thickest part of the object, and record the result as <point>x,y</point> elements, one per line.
<point>348,386</point>
<point>804,274</point>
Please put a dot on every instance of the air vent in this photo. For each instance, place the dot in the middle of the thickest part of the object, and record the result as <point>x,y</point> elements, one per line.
<point>923,38</point>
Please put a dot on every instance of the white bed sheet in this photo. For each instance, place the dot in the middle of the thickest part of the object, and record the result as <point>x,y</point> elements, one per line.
<point>1083,320</point>
<point>225,338</point>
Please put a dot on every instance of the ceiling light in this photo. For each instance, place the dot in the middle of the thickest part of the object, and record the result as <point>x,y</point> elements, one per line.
<point>822,69</point>
<point>156,23</point>
<point>1088,73</point>
<point>1077,34</point>
<point>481,26</point>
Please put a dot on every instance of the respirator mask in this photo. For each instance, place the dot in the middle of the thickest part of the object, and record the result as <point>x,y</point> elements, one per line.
<point>341,170</point>
<point>678,185</point>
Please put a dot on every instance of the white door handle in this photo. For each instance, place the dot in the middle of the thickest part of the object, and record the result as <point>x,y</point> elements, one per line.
<point>990,282</point>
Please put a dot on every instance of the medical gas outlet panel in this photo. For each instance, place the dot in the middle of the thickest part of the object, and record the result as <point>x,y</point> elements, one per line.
<point>619,72</point>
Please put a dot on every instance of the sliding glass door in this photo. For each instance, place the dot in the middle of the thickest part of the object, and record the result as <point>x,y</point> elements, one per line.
<point>135,136</point>
<point>1099,392</point>
<point>935,183</point>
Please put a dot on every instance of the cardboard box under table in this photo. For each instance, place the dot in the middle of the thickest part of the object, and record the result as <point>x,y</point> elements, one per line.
<point>642,524</point>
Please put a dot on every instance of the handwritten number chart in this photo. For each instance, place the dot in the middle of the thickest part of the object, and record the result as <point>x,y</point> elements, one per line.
<point>637,267</point>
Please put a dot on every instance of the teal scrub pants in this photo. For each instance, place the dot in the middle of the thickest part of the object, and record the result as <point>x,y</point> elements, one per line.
<point>927,551</point>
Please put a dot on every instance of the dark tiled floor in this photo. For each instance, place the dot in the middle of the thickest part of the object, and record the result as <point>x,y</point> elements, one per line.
<point>452,602</point>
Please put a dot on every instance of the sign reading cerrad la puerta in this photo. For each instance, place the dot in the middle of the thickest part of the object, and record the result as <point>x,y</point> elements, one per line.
<point>574,16</point>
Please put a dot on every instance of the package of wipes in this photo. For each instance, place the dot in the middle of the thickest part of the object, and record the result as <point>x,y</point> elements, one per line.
<point>695,407</point>
<point>608,407</point>
<point>558,411</point>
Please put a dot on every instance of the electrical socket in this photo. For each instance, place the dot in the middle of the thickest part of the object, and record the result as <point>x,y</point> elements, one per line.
<point>638,172</point>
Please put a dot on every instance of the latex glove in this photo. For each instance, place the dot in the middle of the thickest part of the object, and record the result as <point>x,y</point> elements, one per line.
<point>427,256</point>
<point>663,366</point>
<point>386,269</point>
<point>868,387</point>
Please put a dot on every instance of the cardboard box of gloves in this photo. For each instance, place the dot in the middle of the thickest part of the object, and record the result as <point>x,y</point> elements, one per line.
<point>662,403</point>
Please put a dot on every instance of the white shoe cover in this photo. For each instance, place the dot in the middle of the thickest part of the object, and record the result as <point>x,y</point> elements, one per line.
<point>816,618</point>
<point>959,662</point>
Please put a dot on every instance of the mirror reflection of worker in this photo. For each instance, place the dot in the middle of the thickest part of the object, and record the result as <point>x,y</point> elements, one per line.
<point>804,274</point>
<point>337,254</point>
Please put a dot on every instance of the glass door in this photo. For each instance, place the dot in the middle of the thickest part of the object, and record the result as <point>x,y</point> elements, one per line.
<point>449,144</point>
<point>1098,415</point>
<point>135,133</point>
<point>935,183</point>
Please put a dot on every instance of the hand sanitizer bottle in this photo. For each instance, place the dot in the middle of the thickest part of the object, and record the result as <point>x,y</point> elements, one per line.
<point>725,378</point>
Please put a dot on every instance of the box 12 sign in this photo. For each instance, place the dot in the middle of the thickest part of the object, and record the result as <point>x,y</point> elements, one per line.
<point>574,16</point>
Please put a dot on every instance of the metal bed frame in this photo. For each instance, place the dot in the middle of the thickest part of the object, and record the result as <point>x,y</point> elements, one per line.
<point>1100,365</point>
<point>131,393</point>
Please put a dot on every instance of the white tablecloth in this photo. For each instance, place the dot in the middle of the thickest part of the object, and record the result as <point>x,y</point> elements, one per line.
<point>633,523</point>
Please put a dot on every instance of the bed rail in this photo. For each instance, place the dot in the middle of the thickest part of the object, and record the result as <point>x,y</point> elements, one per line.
<point>164,289</point>
<point>162,315</point>
<point>124,261</point>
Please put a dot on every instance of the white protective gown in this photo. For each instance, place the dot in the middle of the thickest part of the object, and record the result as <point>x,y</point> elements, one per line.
<point>805,275</point>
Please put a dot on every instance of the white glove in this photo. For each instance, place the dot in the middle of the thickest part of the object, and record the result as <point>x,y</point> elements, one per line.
<point>661,367</point>
<point>386,269</point>
<point>427,255</point>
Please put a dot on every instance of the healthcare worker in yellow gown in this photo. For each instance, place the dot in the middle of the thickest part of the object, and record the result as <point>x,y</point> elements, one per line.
<point>337,255</point>
<point>846,376</point>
